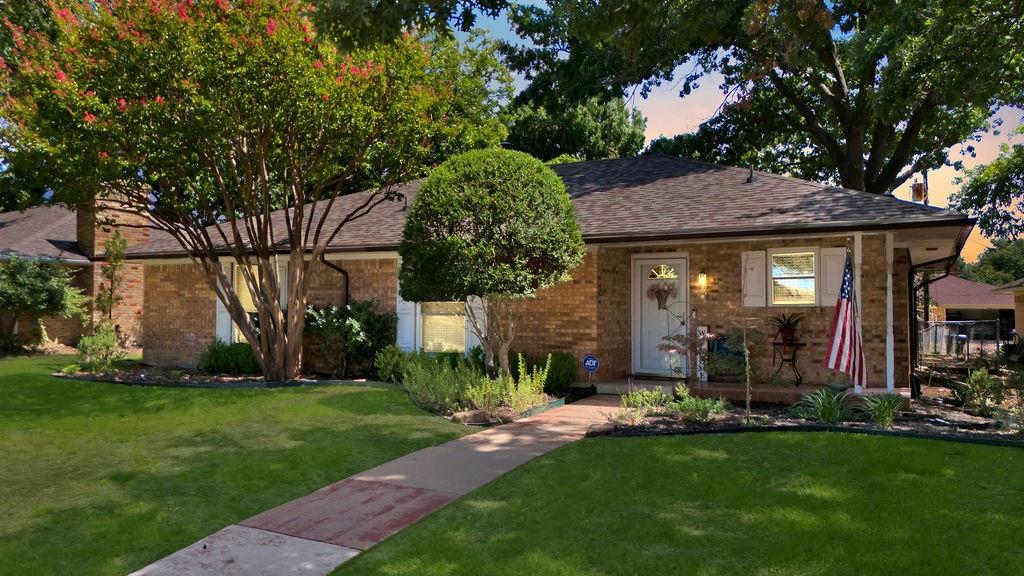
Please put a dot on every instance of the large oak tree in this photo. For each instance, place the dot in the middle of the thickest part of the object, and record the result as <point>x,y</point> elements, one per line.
<point>866,93</point>
<point>204,116</point>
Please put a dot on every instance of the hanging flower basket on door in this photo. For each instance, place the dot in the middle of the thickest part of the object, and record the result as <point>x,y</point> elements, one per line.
<point>662,291</point>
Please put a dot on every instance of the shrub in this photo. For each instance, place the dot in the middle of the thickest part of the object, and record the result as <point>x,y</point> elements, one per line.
<point>352,335</point>
<point>826,406</point>
<point>561,373</point>
<point>644,399</point>
<point>223,358</point>
<point>100,349</point>
<point>694,408</point>
<point>981,391</point>
<point>438,385</point>
<point>527,390</point>
<point>70,369</point>
<point>389,363</point>
<point>488,395</point>
<point>883,409</point>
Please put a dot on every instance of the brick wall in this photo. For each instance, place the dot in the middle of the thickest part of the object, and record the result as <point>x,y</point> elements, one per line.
<point>562,318</point>
<point>179,319</point>
<point>372,279</point>
<point>94,228</point>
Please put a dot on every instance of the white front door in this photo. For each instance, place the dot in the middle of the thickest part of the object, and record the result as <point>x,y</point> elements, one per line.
<point>660,309</point>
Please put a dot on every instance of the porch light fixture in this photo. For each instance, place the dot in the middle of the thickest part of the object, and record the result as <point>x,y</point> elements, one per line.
<point>702,279</point>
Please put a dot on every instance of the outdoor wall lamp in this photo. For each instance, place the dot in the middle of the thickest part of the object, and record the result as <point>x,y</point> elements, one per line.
<point>702,283</point>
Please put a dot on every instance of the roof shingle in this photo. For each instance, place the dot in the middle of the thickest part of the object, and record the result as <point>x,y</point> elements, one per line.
<point>660,197</point>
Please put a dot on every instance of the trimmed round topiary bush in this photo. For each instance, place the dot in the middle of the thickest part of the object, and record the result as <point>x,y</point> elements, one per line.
<point>496,224</point>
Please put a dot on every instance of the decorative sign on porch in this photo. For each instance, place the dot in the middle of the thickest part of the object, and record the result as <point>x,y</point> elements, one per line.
<point>591,363</point>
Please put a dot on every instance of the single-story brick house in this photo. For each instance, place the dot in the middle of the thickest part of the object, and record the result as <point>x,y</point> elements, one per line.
<point>1016,288</point>
<point>957,299</point>
<point>75,239</point>
<point>729,243</point>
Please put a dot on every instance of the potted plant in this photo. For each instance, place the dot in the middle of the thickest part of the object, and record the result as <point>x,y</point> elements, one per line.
<point>786,325</point>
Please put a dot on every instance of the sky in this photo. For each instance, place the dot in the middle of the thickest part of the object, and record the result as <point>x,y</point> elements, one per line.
<point>667,115</point>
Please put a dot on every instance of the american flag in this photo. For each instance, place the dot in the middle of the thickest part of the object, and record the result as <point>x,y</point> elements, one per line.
<point>845,347</point>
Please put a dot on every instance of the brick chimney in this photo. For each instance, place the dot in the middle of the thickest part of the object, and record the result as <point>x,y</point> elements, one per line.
<point>94,226</point>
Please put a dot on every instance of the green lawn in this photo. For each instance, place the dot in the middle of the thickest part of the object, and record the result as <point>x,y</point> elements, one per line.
<point>102,479</point>
<point>763,504</point>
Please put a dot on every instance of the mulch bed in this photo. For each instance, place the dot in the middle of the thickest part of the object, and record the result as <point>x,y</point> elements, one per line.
<point>144,375</point>
<point>929,418</point>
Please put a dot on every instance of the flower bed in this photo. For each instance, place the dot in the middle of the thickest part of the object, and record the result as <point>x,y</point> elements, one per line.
<point>644,413</point>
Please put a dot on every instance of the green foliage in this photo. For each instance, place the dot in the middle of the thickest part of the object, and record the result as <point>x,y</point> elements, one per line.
<point>883,409</point>
<point>527,390</point>
<point>856,94</point>
<point>437,385</point>
<point>390,363</point>
<point>35,288</point>
<point>488,395</point>
<point>593,130</point>
<point>689,407</point>
<point>999,264</point>
<point>336,334</point>
<point>826,406</point>
<point>99,350</point>
<point>359,22</point>
<point>561,373</point>
<point>70,369</point>
<point>140,102</point>
<point>109,293</point>
<point>994,193</point>
<point>517,231</point>
<point>981,391</point>
<point>644,399</point>
<point>223,358</point>
<point>351,336</point>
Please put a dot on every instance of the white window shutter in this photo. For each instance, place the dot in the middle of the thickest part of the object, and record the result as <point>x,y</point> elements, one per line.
<point>833,261</point>
<point>406,311</point>
<point>472,340</point>
<point>282,279</point>
<point>754,278</point>
<point>224,325</point>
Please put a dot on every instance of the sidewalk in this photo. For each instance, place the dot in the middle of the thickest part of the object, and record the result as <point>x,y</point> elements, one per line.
<point>312,535</point>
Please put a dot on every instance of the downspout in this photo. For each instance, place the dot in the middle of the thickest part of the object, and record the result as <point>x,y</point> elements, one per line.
<point>341,271</point>
<point>915,385</point>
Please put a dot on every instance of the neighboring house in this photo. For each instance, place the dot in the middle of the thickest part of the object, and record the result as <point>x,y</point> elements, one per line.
<point>1016,288</point>
<point>75,240</point>
<point>957,299</point>
<point>730,244</point>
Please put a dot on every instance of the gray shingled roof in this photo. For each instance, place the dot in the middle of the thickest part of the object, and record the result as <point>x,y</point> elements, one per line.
<point>41,232</point>
<point>1015,286</point>
<point>665,197</point>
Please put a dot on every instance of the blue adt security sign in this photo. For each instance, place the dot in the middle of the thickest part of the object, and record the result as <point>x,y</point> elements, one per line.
<point>591,363</point>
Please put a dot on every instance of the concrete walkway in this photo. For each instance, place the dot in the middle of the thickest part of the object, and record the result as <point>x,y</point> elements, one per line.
<point>314,534</point>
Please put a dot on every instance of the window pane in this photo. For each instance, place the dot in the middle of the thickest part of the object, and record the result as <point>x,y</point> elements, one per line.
<point>797,265</point>
<point>662,271</point>
<point>793,290</point>
<point>444,326</point>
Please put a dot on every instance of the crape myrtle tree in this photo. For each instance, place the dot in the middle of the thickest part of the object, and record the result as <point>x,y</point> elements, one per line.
<point>863,94</point>
<point>206,115</point>
<point>489,227</point>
